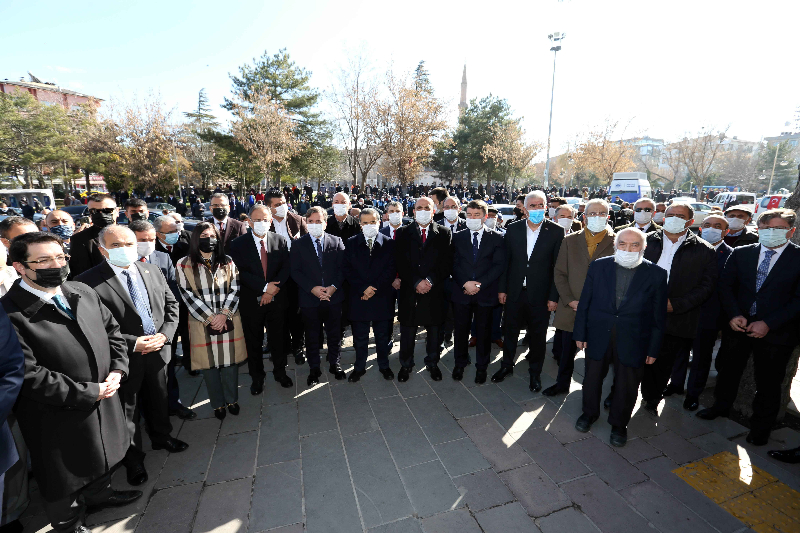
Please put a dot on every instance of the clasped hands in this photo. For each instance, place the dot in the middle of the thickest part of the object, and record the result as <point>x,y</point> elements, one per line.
<point>471,288</point>
<point>109,387</point>
<point>150,343</point>
<point>323,293</point>
<point>369,292</point>
<point>269,294</point>
<point>757,330</point>
<point>424,286</point>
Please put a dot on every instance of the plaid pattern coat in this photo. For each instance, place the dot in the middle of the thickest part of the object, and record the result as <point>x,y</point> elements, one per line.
<point>205,294</point>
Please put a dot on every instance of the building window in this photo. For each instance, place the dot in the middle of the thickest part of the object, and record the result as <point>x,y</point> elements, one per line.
<point>793,142</point>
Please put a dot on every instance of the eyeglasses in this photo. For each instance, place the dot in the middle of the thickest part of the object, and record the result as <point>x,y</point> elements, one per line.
<point>59,259</point>
<point>106,210</point>
<point>645,209</point>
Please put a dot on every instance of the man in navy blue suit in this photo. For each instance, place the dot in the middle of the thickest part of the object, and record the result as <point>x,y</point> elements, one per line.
<point>621,317</point>
<point>12,365</point>
<point>316,260</point>
<point>369,268</point>
<point>478,262</point>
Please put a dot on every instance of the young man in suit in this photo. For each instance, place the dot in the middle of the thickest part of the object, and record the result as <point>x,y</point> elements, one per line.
<point>316,267</point>
<point>394,212</point>
<point>136,209</point>
<point>144,307</point>
<point>453,219</point>
<point>424,257</point>
<point>262,258</point>
<point>84,248</point>
<point>527,287</point>
<point>369,268</point>
<point>454,222</point>
<point>229,228</point>
<point>620,322</point>
<point>478,262</point>
<point>760,294</point>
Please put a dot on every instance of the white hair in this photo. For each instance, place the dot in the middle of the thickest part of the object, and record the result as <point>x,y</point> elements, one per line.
<point>648,200</point>
<point>535,194</point>
<point>637,231</point>
<point>599,201</point>
<point>566,206</point>
<point>114,228</point>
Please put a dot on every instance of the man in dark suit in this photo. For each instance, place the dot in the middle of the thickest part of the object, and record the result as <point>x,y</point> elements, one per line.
<point>394,214</point>
<point>620,322</point>
<point>291,227</point>
<point>229,228</point>
<point>453,218</point>
<point>527,287</point>
<point>760,295</point>
<point>74,429</point>
<point>262,258</point>
<point>136,209</point>
<point>738,217</point>
<point>438,195</point>
<point>643,211</point>
<point>424,257</point>
<point>369,268</point>
<point>342,224</point>
<point>84,249</point>
<point>316,263</point>
<point>454,221</point>
<point>478,262</point>
<point>12,365</point>
<point>144,307</point>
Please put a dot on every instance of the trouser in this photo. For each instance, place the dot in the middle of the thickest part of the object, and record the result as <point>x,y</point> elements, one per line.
<point>183,331</point>
<point>497,317</point>
<point>657,375</point>
<point>14,483</point>
<point>66,514</point>
<point>520,313</point>
<point>566,362</point>
<point>625,389</point>
<point>769,369</point>
<point>329,316</point>
<point>254,320</point>
<point>462,316</point>
<point>448,326</point>
<point>294,330</point>
<point>382,329</point>
<point>702,354</point>
<point>408,335</point>
<point>222,385</point>
<point>145,390</point>
<point>558,344</point>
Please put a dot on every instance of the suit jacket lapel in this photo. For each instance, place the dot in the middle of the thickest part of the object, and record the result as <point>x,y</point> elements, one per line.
<point>144,272</point>
<point>607,241</point>
<point>74,301</point>
<point>782,260</point>
<point>115,283</point>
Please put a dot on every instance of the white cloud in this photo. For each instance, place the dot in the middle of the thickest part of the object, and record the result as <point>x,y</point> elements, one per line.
<point>71,70</point>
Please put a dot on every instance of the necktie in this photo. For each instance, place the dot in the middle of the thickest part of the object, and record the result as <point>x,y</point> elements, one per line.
<point>474,247</point>
<point>142,307</point>
<point>58,300</point>
<point>761,275</point>
<point>169,249</point>
<point>369,244</point>
<point>394,233</point>
<point>423,237</point>
<point>319,256</point>
<point>263,259</point>
<point>143,259</point>
<point>221,229</point>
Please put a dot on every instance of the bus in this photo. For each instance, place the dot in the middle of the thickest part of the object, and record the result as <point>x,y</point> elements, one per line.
<point>630,186</point>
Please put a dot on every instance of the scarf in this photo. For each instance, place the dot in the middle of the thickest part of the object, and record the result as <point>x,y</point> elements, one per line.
<point>593,240</point>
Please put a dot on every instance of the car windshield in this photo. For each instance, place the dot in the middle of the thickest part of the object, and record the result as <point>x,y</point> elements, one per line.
<point>506,210</point>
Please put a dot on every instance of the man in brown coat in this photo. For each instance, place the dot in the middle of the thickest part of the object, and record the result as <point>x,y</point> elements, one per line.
<point>578,250</point>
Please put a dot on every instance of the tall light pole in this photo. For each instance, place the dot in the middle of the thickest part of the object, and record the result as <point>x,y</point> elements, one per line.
<point>555,37</point>
<point>774,162</point>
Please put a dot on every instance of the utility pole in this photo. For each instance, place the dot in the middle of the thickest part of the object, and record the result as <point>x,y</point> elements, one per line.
<point>555,37</point>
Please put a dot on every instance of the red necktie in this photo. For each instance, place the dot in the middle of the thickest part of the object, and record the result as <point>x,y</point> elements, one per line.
<point>142,259</point>
<point>263,259</point>
<point>423,236</point>
<point>169,249</point>
<point>221,230</point>
<point>394,234</point>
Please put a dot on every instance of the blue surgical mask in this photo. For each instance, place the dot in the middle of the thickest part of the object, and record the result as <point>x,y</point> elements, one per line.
<point>171,238</point>
<point>772,237</point>
<point>536,216</point>
<point>711,235</point>
<point>123,256</point>
<point>674,225</point>
<point>63,231</point>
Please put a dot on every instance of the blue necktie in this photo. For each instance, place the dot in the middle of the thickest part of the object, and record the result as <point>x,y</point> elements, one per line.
<point>319,256</point>
<point>58,300</point>
<point>475,247</point>
<point>761,275</point>
<point>142,307</point>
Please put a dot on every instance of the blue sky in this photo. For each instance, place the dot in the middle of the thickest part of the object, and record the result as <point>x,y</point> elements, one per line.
<point>669,67</point>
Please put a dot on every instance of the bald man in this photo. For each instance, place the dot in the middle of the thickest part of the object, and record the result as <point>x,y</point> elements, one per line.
<point>60,223</point>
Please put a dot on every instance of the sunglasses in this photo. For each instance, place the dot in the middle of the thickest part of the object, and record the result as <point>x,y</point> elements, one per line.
<point>106,210</point>
<point>645,209</point>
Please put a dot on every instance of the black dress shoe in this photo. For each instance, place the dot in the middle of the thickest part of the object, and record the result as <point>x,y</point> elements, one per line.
<point>220,413</point>
<point>313,377</point>
<point>791,456</point>
<point>193,373</point>
<point>607,402</point>
<point>136,474</point>
<point>536,384</point>
<point>387,373</point>
<point>436,374</point>
<point>458,373</point>
<point>757,438</point>
<point>619,436</point>
<point>355,375</point>
<point>555,390</point>
<point>15,526</point>
<point>501,374</point>
<point>585,422</point>
<point>257,386</point>
<point>285,381</point>
<point>182,412</point>
<point>233,408</point>
<point>651,407</point>
<point>480,376</point>
<point>118,498</point>
<point>672,389</point>
<point>691,404</point>
<point>403,374</point>
<point>298,357</point>
<point>172,445</point>
<point>337,372</point>
<point>712,412</point>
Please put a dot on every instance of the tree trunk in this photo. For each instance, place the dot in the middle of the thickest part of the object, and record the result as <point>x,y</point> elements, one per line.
<point>28,179</point>
<point>88,182</point>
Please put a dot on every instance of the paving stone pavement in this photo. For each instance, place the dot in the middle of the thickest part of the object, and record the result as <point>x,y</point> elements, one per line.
<point>425,456</point>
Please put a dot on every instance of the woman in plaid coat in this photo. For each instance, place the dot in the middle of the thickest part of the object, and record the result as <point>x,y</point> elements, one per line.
<point>209,285</point>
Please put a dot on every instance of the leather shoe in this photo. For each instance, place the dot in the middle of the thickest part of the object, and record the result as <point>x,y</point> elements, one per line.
<point>118,498</point>
<point>791,456</point>
<point>554,390</point>
<point>257,386</point>
<point>183,412</point>
<point>403,374</point>
<point>172,445</point>
<point>387,373</point>
<point>712,412</point>
<point>651,407</point>
<point>193,373</point>
<point>79,529</point>
<point>607,402</point>
<point>691,404</point>
<point>313,377</point>
<point>220,413</point>
<point>284,380</point>
<point>585,422</point>
<point>672,389</point>
<point>480,376</point>
<point>355,375</point>
<point>458,373</point>
<point>757,439</point>
<point>136,474</point>
<point>233,408</point>
<point>337,372</point>
<point>436,374</point>
<point>299,359</point>
<point>536,384</point>
<point>472,342</point>
<point>619,436</point>
<point>499,343</point>
<point>501,374</point>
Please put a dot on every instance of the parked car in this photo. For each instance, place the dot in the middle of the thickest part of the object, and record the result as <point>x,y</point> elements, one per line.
<point>771,202</point>
<point>725,200</point>
<point>506,211</point>
<point>159,207</point>
<point>76,211</point>
<point>701,211</point>
<point>682,199</point>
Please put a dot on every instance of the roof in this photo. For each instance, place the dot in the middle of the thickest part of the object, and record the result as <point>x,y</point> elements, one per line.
<point>47,87</point>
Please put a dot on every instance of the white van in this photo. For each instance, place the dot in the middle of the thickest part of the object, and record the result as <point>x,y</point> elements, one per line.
<point>630,186</point>
<point>726,199</point>
<point>44,197</point>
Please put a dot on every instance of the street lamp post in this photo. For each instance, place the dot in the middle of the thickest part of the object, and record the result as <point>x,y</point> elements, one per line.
<point>774,162</point>
<point>555,37</point>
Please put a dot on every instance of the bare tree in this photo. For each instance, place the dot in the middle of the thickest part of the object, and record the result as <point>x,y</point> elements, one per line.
<point>508,149</point>
<point>603,152</point>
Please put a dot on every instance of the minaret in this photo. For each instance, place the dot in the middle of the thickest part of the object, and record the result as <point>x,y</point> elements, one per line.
<point>462,105</point>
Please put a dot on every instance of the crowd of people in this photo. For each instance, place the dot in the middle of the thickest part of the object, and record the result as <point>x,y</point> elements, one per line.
<point>91,320</point>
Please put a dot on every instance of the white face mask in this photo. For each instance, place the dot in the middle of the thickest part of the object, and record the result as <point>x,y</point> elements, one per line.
<point>565,223</point>
<point>552,212</point>
<point>658,218</point>
<point>395,219</point>
<point>123,256</point>
<point>316,229</point>
<point>596,224</point>
<point>422,217</point>
<point>491,223</point>
<point>735,224</point>
<point>370,230</point>
<point>642,218</point>
<point>340,210</point>
<point>144,249</point>
<point>261,227</point>
<point>451,214</point>
<point>281,211</point>
<point>674,225</point>
<point>474,224</point>
<point>628,259</point>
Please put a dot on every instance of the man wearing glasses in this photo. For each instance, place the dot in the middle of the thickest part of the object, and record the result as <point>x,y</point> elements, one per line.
<point>84,247</point>
<point>643,211</point>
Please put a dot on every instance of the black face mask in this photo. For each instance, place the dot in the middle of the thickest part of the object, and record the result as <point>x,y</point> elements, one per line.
<point>101,220</point>
<point>51,277</point>
<point>208,244</point>
<point>138,216</point>
<point>220,213</point>
<point>518,212</point>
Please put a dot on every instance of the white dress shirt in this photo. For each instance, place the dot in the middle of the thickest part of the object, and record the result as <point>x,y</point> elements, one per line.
<point>451,226</point>
<point>392,229</point>
<point>282,229</point>
<point>258,241</point>
<point>762,252</point>
<point>668,252</point>
<point>532,237</point>
<point>643,228</point>
<point>46,296</point>
<point>134,273</point>
<point>480,235</point>
<point>222,223</point>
